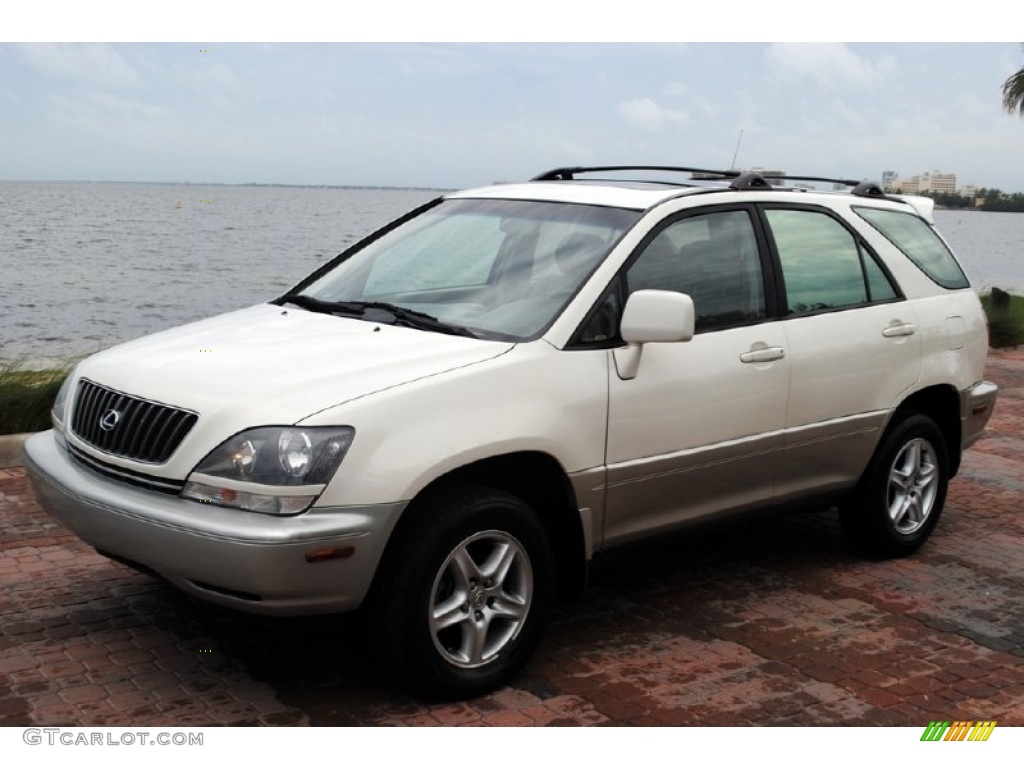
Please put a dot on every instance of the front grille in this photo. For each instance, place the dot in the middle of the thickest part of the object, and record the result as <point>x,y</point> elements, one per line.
<point>128,426</point>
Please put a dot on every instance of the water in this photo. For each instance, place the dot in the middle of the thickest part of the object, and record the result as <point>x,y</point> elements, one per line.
<point>990,246</point>
<point>86,265</point>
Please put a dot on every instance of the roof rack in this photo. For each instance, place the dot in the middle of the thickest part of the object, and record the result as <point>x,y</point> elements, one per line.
<point>750,181</point>
<point>741,180</point>
<point>868,189</point>
<point>568,174</point>
<point>825,179</point>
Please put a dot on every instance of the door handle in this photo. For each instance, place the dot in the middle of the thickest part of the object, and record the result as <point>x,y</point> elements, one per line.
<point>763,355</point>
<point>897,328</point>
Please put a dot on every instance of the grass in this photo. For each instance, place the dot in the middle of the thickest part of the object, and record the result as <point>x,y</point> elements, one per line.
<point>26,397</point>
<point>1005,318</point>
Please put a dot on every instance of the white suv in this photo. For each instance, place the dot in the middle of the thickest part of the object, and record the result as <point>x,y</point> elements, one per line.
<point>449,420</point>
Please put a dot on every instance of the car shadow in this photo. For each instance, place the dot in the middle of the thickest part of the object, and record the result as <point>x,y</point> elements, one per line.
<point>325,665</point>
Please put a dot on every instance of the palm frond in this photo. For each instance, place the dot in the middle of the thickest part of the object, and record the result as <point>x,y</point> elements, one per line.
<point>1013,93</point>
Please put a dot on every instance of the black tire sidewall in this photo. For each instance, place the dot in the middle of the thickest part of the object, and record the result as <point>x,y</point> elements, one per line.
<point>866,516</point>
<point>443,522</point>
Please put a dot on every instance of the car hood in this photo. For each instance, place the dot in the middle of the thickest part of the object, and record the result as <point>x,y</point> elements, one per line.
<point>277,365</point>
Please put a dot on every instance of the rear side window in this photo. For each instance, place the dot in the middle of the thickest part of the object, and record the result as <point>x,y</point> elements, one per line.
<point>918,241</point>
<point>823,264</point>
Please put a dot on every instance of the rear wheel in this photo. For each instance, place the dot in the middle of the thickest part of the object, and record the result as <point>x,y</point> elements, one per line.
<point>901,496</point>
<point>464,592</point>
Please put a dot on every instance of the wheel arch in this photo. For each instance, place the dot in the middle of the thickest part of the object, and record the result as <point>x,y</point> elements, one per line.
<point>941,404</point>
<point>539,480</point>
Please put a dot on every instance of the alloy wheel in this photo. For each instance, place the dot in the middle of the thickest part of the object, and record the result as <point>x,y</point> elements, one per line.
<point>913,485</point>
<point>480,598</point>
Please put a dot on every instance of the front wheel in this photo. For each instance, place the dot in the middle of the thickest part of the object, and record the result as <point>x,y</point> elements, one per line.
<point>464,592</point>
<point>900,498</point>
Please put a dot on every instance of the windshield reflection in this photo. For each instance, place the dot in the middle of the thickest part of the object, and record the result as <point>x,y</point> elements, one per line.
<point>501,268</point>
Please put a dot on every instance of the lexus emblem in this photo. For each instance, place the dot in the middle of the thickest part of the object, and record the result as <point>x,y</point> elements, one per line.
<point>109,420</point>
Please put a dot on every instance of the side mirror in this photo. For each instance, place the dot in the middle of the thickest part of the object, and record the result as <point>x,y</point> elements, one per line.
<point>652,316</point>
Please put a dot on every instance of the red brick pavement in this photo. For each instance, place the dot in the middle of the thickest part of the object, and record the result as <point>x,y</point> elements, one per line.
<point>773,623</point>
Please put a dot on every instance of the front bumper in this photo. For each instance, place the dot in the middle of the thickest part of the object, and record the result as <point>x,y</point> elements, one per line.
<point>976,404</point>
<point>321,561</point>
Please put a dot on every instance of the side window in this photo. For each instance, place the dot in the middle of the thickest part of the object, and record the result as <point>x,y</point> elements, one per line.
<point>713,258</point>
<point>602,325</point>
<point>823,265</point>
<point>879,286</point>
<point>919,242</point>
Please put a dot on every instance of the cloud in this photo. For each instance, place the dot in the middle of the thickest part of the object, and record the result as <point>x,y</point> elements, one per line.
<point>94,64</point>
<point>831,64</point>
<point>647,114</point>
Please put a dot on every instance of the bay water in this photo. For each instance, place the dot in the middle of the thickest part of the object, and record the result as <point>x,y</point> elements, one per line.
<point>85,265</point>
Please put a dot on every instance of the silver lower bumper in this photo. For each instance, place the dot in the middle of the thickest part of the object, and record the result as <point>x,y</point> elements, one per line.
<point>321,561</point>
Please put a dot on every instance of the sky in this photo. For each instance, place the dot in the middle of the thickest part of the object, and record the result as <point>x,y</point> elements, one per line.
<point>439,110</point>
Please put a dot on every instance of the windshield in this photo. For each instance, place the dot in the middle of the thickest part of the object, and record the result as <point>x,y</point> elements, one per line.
<point>497,268</point>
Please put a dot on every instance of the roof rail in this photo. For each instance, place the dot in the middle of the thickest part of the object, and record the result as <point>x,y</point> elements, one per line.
<point>825,179</point>
<point>860,188</point>
<point>741,180</point>
<point>569,173</point>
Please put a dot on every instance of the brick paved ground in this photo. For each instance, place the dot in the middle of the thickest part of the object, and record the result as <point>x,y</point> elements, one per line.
<point>773,623</point>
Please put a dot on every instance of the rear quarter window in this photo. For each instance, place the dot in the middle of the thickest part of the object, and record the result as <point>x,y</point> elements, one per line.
<point>918,241</point>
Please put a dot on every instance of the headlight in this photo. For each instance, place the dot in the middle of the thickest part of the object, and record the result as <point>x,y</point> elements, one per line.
<point>275,470</point>
<point>60,404</point>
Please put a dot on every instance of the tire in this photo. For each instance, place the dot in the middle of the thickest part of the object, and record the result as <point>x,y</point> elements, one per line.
<point>899,500</point>
<point>464,593</point>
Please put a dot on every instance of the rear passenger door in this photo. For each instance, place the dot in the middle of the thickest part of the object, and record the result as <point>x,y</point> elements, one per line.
<point>699,429</point>
<point>853,345</point>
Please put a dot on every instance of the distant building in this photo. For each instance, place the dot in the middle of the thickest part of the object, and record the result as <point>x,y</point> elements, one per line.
<point>935,182</point>
<point>938,182</point>
<point>909,186</point>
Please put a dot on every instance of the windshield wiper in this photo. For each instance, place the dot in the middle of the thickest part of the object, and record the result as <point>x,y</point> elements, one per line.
<point>392,313</point>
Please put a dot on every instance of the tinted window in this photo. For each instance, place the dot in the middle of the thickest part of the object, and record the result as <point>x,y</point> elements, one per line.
<point>879,287</point>
<point>714,259</point>
<point>823,265</point>
<point>918,241</point>
<point>602,325</point>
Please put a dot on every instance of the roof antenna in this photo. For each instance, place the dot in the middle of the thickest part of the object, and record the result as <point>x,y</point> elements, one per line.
<point>734,154</point>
